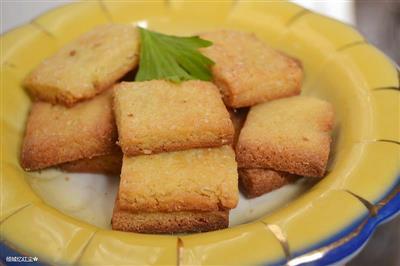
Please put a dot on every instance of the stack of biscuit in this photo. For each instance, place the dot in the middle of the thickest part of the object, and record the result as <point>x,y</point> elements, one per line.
<point>284,135</point>
<point>179,172</point>
<point>71,123</point>
<point>281,140</point>
<point>176,142</point>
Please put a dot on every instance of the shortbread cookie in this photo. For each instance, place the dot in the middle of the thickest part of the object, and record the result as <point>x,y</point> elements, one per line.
<point>56,134</point>
<point>168,222</point>
<point>191,180</point>
<point>290,135</point>
<point>256,181</point>
<point>87,66</point>
<point>109,164</point>
<point>159,116</point>
<point>248,72</point>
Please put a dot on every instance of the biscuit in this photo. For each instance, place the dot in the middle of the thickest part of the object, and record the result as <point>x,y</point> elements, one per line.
<point>238,117</point>
<point>248,72</point>
<point>160,116</point>
<point>109,164</point>
<point>191,180</point>
<point>87,66</point>
<point>257,181</point>
<point>56,134</point>
<point>169,222</point>
<point>290,135</point>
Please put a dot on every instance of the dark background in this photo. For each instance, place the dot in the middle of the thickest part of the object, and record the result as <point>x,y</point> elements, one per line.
<point>379,21</point>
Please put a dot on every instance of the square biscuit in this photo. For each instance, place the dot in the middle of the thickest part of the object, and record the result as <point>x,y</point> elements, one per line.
<point>86,66</point>
<point>247,71</point>
<point>168,222</point>
<point>191,180</point>
<point>290,135</point>
<point>109,164</point>
<point>159,116</point>
<point>56,134</point>
<point>257,181</point>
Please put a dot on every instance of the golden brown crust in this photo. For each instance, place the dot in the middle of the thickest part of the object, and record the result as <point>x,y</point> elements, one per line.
<point>285,159</point>
<point>175,146</point>
<point>248,72</point>
<point>168,223</point>
<point>160,116</point>
<point>192,180</point>
<point>290,135</point>
<point>56,134</point>
<point>109,164</point>
<point>86,66</point>
<point>256,181</point>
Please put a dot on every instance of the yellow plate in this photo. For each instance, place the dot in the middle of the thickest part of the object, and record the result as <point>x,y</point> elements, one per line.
<point>325,224</point>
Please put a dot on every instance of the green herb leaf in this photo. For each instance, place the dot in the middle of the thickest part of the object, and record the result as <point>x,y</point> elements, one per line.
<point>172,58</point>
